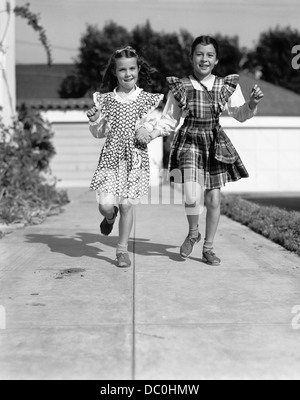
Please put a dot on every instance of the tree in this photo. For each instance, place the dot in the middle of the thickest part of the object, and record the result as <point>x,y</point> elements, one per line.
<point>169,53</point>
<point>273,57</point>
<point>230,55</point>
<point>96,47</point>
<point>163,51</point>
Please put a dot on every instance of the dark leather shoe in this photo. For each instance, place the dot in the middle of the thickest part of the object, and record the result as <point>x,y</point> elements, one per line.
<point>105,227</point>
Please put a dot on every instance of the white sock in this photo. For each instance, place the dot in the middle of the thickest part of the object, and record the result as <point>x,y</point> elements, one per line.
<point>122,249</point>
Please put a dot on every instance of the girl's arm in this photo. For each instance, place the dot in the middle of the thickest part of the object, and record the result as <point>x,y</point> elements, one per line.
<point>170,119</point>
<point>241,110</point>
<point>99,126</point>
<point>156,125</point>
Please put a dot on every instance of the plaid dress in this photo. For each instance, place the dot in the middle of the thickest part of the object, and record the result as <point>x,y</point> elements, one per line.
<point>192,156</point>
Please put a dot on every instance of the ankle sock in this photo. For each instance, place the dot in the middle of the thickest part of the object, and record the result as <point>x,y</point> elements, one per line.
<point>194,233</point>
<point>208,245</point>
<point>122,249</point>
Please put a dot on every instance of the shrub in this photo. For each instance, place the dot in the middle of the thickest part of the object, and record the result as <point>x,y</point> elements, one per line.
<point>280,226</point>
<point>27,188</point>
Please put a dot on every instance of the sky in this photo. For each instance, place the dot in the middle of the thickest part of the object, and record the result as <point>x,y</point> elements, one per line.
<point>65,21</point>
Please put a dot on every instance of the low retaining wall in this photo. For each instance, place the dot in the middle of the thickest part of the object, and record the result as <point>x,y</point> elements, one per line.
<point>268,146</point>
<point>77,151</point>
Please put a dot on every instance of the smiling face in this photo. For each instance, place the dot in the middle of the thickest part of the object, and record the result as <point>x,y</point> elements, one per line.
<point>127,73</point>
<point>204,60</point>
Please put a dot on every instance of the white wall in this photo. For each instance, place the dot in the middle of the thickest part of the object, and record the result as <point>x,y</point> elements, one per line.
<point>7,63</point>
<point>78,151</point>
<point>270,149</point>
<point>268,146</point>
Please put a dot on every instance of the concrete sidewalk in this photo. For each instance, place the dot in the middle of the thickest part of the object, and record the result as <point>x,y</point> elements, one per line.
<point>69,313</point>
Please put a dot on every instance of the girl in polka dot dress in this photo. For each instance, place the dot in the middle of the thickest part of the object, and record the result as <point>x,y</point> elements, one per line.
<point>124,117</point>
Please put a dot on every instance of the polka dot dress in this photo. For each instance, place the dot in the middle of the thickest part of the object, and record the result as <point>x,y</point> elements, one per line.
<point>124,169</point>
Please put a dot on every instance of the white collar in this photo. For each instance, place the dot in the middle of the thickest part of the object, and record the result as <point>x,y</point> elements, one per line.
<point>131,97</point>
<point>208,82</point>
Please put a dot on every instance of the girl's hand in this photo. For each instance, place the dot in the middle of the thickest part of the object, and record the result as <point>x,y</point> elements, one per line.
<point>256,96</point>
<point>143,136</point>
<point>93,114</point>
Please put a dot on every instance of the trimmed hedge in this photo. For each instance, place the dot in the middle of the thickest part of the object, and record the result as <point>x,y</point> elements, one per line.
<point>278,225</point>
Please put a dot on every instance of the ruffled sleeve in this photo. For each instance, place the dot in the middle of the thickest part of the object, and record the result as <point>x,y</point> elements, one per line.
<point>229,87</point>
<point>176,86</point>
<point>150,103</point>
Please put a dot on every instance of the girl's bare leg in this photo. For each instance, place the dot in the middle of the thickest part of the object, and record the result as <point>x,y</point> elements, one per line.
<point>106,203</point>
<point>108,210</point>
<point>193,194</point>
<point>193,206</point>
<point>213,205</point>
<point>126,223</point>
<point>125,228</point>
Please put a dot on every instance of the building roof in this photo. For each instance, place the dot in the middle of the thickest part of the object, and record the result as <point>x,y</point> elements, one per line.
<point>37,81</point>
<point>57,104</point>
<point>278,101</point>
<point>38,85</point>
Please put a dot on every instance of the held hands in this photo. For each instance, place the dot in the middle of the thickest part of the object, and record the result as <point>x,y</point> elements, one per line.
<point>143,136</point>
<point>256,95</point>
<point>93,114</point>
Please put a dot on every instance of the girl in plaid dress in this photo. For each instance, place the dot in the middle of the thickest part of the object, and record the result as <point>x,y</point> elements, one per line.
<point>124,117</point>
<point>202,156</point>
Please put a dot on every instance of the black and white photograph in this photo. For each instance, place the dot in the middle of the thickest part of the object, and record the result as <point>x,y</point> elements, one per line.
<point>149,193</point>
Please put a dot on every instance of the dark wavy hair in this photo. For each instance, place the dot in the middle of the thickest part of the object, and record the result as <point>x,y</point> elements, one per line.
<point>205,40</point>
<point>109,80</point>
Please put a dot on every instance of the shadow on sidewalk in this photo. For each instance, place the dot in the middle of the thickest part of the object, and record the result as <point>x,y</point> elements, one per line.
<point>77,246</point>
<point>144,247</point>
<point>81,244</point>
